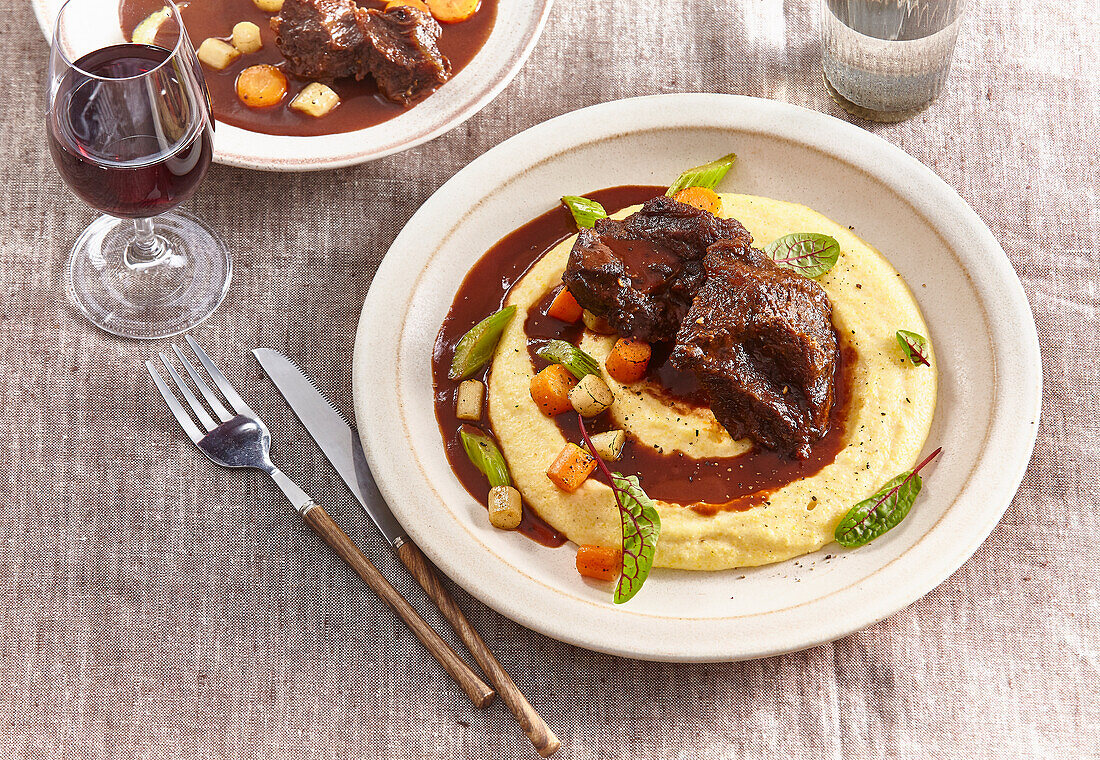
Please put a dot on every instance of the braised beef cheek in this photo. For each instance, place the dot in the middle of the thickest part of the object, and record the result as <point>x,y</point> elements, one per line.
<point>402,52</point>
<point>642,273</point>
<point>331,39</point>
<point>320,39</point>
<point>761,340</point>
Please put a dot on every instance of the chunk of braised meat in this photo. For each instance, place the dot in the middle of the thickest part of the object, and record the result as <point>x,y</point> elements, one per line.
<point>402,52</point>
<point>321,39</point>
<point>642,273</point>
<point>761,340</point>
<point>331,39</point>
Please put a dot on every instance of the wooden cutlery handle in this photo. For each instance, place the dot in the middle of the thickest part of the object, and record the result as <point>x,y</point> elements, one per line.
<point>532,723</point>
<point>325,527</point>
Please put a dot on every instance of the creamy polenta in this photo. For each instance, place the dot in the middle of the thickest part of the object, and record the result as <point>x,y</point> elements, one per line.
<point>888,419</point>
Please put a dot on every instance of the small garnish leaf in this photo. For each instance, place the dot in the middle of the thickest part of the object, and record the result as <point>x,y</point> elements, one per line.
<point>476,347</point>
<point>707,175</point>
<point>808,253</point>
<point>585,212</point>
<point>569,356</point>
<point>485,456</point>
<point>874,516</point>
<point>915,347</point>
<point>641,525</point>
<point>641,529</point>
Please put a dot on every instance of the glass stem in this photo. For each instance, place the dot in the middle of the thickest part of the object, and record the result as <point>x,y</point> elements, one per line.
<point>146,248</point>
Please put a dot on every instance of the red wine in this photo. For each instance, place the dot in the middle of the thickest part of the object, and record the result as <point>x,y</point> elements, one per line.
<point>129,145</point>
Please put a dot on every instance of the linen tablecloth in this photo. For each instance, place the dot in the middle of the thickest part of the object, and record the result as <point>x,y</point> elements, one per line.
<point>153,606</point>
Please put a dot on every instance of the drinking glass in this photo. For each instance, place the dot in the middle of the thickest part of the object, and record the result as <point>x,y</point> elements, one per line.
<point>130,130</point>
<point>886,60</point>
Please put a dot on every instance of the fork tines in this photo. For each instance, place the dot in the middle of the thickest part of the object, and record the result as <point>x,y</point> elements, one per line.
<point>215,404</point>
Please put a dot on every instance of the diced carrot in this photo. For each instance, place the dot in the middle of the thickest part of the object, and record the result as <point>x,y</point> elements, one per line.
<point>703,198</point>
<point>599,562</point>
<point>565,307</point>
<point>628,360</point>
<point>571,468</point>
<point>420,5</point>
<point>261,86</point>
<point>453,11</point>
<point>550,389</point>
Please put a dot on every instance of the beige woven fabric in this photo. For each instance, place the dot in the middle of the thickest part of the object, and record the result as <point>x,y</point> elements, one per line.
<point>152,606</point>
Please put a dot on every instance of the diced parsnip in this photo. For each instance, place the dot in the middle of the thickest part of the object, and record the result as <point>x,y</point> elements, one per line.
<point>702,198</point>
<point>217,54</point>
<point>609,445</point>
<point>550,389</point>
<point>628,360</point>
<point>599,562</point>
<point>315,99</point>
<point>591,396</point>
<point>145,33</point>
<point>505,508</point>
<point>571,468</point>
<point>261,86</point>
<point>596,324</point>
<point>420,5</point>
<point>269,6</point>
<point>246,37</point>
<point>565,307</point>
<point>468,401</point>
<point>453,11</point>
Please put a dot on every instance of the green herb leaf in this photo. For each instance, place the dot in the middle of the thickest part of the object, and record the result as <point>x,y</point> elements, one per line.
<point>485,456</point>
<point>569,356</point>
<point>915,347</point>
<point>641,529</point>
<point>872,517</point>
<point>707,175</point>
<point>585,212</point>
<point>476,347</point>
<point>641,525</point>
<point>808,253</point>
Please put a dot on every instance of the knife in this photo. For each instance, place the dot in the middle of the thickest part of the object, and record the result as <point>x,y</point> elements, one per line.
<point>340,443</point>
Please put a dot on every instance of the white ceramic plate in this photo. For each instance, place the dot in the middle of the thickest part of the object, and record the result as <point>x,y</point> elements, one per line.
<point>986,344</point>
<point>517,29</point>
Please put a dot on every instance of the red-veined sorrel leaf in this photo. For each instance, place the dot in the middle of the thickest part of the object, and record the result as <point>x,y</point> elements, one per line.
<point>915,347</point>
<point>641,526</point>
<point>872,517</point>
<point>808,253</point>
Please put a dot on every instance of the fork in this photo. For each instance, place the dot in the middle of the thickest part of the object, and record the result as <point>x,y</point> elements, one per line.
<point>241,439</point>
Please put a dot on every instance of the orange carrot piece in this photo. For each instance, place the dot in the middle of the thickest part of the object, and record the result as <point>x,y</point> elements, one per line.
<point>453,11</point>
<point>571,468</point>
<point>565,307</point>
<point>702,198</point>
<point>628,360</point>
<point>261,86</point>
<point>420,5</point>
<point>599,562</point>
<point>550,389</point>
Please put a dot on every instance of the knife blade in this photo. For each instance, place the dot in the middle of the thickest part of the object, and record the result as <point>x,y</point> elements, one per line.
<point>338,440</point>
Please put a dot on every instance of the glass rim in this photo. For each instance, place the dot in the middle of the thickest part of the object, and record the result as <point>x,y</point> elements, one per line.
<point>173,52</point>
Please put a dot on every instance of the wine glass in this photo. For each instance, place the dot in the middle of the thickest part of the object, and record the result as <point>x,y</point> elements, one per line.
<point>130,129</point>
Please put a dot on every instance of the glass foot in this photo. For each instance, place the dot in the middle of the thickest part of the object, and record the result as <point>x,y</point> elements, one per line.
<point>154,299</point>
<point>885,117</point>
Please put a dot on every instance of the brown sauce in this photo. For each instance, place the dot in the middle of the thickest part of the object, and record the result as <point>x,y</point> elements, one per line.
<point>709,485</point>
<point>360,103</point>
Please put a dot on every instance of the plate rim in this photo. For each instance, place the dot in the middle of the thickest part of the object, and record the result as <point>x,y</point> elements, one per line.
<point>501,80</point>
<point>539,140</point>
